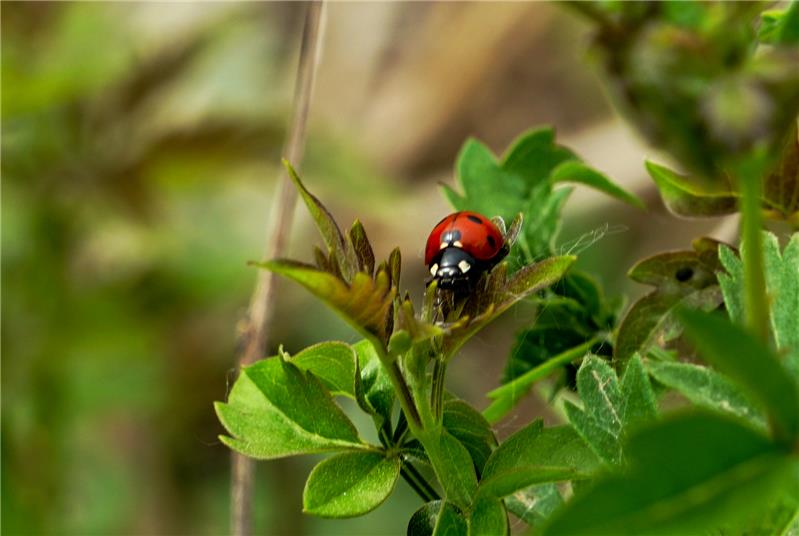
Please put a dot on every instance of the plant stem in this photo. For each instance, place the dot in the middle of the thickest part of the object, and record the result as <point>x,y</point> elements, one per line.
<point>506,397</point>
<point>419,484</point>
<point>757,308</point>
<point>437,390</point>
<point>405,398</point>
<point>254,334</point>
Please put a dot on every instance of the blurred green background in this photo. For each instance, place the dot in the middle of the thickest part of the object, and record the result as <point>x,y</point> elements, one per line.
<point>140,148</point>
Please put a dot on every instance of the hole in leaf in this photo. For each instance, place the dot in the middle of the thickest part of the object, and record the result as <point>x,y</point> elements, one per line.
<point>684,274</point>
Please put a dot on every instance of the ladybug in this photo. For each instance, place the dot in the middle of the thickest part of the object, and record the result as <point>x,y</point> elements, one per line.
<point>461,247</point>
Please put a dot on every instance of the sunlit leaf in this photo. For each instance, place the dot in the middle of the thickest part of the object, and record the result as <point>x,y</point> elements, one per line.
<point>350,484</point>
<point>522,182</point>
<point>578,172</point>
<point>365,303</point>
<point>780,26</point>
<point>276,410</point>
<point>335,363</point>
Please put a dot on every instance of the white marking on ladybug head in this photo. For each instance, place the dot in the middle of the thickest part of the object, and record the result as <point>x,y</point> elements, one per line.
<point>457,244</point>
<point>434,269</point>
<point>464,266</point>
<point>443,245</point>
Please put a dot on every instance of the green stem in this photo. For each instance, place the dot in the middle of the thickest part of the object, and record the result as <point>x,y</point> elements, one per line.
<point>405,397</point>
<point>418,482</point>
<point>757,308</point>
<point>437,391</point>
<point>506,397</point>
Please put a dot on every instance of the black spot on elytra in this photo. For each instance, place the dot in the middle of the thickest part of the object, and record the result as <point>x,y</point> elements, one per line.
<point>491,241</point>
<point>450,236</point>
<point>475,219</point>
<point>684,274</point>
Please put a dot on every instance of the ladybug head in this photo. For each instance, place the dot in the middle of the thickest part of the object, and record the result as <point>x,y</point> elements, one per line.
<point>454,269</point>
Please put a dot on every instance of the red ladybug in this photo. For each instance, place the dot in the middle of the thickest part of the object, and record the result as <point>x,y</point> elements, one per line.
<point>461,247</point>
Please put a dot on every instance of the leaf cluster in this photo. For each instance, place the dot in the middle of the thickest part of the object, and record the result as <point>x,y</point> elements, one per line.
<point>729,466</point>
<point>285,405</point>
<point>526,179</point>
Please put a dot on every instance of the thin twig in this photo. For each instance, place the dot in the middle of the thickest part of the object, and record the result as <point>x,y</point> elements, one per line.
<point>254,332</point>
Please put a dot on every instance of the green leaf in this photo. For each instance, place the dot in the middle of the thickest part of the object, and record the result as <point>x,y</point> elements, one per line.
<point>487,188</point>
<point>437,518</point>
<point>331,234</point>
<point>779,517</point>
<point>574,318</point>
<point>750,364</point>
<point>363,249</point>
<point>488,518</point>
<point>276,410</point>
<point>534,455</point>
<point>604,443</point>
<point>523,283</point>
<point>731,284</point>
<point>601,421</point>
<point>377,396</point>
<point>522,182</point>
<point>335,363</point>
<point>706,388</point>
<point>575,171</point>
<point>350,484</point>
<point>455,470</point>
<point>687,474</point>
<point>534,155</point>
<point>364,304</point>
<point>541,223</point>
<point>650,321</point>
<point>423,521</point>
<point>683,279</point>
<point>782,283</point>
<point>691,198</point>
<point>780,26</point>
<point>638,399</point>
<point>534,504</point>
<point>468,426</point>
<point>610,409</point>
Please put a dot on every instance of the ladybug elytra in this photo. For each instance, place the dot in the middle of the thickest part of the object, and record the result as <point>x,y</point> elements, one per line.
<point>461,247</point>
